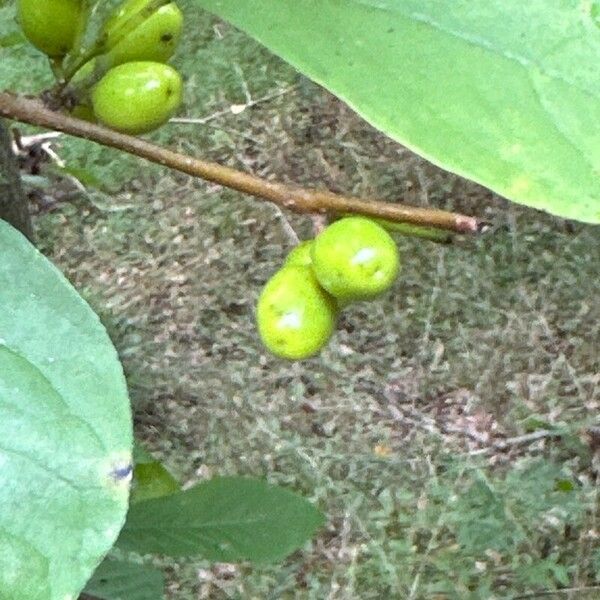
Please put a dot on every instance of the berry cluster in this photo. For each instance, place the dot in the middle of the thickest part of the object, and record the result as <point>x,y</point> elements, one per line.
<point>126,84</point>
<point>351,260</point>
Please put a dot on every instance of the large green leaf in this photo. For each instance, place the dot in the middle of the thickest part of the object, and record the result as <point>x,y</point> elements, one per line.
<point>226,519</point>
<point>504,92</point>
<point>121,580</point>
<point>65,431</point>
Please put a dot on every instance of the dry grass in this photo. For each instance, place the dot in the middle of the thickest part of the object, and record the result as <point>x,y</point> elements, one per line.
<point>478,342</point>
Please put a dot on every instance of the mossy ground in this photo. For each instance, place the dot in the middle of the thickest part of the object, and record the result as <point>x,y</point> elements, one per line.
<point>480,341</point>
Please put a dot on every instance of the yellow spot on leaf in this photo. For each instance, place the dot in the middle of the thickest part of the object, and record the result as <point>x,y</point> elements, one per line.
<point>520,185</point>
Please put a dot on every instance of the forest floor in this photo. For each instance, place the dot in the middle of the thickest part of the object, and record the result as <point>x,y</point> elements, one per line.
<point>445,431</point>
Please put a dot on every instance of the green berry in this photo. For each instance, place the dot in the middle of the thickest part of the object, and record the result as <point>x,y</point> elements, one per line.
<point>295,316</point>
<point>83,112</point>
<point>300,255</point>
<point>355,259</point>
<point>151,38</point>
<point>50,25</point>
<point>137,97</point>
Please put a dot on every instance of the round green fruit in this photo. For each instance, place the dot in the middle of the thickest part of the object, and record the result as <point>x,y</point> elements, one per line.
<point>153,37</point>
<point>83,112</point>
<point>137,97</point>
<point>355,259</point>
<point>295,316</point>
<point>50,25</point>
<point>300,255</point>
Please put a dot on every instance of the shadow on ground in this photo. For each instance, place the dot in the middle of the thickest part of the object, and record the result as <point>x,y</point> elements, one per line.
<point>398,429</point>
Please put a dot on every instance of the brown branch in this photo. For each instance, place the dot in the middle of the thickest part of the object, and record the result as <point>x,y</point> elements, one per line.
<point>13,204</point>
<point>32,111</point>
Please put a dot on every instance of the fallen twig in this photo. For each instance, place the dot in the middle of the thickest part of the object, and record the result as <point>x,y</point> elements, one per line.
<point>519,440</point>
<point>428,424</point>
<point>234,109</point>
<point>589,588</point>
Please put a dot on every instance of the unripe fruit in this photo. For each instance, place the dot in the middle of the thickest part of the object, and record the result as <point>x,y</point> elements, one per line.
<point>83,112</point>
<point>300,255</point>
<point>355,259</point>
<point>295,316</point>
<point>50,25</point>
<point>154,38</point>
<point>137,97</point>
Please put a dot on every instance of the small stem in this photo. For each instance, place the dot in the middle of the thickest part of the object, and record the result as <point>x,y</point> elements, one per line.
<point>32,111</point>
<point>56,67</point>
<point>84,15</point>
<point>426,233</point>
<point>99,47</point>
<point>82,60</point>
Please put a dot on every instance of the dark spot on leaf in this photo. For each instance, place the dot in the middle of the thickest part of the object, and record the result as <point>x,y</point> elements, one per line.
<point>166,37</point>
<point>122,472</point>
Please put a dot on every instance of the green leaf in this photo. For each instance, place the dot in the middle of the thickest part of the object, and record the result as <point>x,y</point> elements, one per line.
<point>503,92</point>
<point>225,519</point>
<point>65,431</point>
<point>85,176</point>
<point>535,423</point>
<point>151,479</point>
<point>120,580</point>
<point>23,570</point>
<point>564,485</point>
